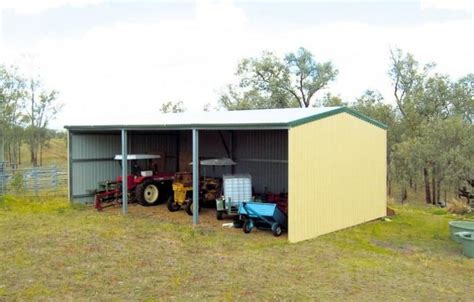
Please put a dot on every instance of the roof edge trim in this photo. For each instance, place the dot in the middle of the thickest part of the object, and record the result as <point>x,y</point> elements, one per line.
<point>264,126</point>
<point>337,111</point>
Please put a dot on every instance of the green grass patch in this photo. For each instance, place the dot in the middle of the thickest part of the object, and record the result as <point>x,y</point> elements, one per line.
<point>51,250</point>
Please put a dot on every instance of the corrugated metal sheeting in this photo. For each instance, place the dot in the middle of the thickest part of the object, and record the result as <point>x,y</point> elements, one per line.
<point>92,157</point>
<point>337,175</point>
<point>262,153</point>
<point>91,161</point>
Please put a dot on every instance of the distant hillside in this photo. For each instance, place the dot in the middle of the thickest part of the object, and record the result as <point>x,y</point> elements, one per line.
<point>55,154</point>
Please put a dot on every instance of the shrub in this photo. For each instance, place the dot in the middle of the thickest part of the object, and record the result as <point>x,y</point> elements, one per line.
<point>17,184</point>
<point>459,207</point>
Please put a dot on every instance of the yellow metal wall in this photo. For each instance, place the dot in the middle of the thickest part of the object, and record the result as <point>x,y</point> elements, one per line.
<point>337,175</point>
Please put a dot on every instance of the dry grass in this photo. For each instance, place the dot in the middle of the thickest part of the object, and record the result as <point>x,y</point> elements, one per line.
<point>54,154</point>
<point>456,206</point>
<point>52,251</point>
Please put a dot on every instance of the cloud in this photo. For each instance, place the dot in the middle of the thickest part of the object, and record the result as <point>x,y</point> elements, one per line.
<point>460,5</point>
<point>130,68</point>
<point>30,7</point>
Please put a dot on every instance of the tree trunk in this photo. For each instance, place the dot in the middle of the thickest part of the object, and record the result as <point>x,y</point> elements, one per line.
<point>41,155</point>
<point>19,153</point>
<point>438,191</point>
<point>433,184</point>
<point>427,185</point>
<point>404,195</point>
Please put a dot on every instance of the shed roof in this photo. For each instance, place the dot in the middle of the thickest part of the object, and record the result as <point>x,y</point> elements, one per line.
<point>239,119</point>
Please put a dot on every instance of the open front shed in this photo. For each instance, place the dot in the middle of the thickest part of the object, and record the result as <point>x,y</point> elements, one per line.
<point>331,161</point>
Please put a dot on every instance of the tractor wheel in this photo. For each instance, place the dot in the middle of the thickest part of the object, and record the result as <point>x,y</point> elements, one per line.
<point>219,215</point>
<point>189,208</point>
<point>172,206</point>
<point>276,229</point>
<point>248,226</point>
<point>148,193</point>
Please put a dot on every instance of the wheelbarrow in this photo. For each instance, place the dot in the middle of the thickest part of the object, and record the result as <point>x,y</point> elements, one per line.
<point>262,215</point>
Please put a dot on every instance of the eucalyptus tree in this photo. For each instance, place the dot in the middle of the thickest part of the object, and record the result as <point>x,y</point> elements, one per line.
<point>272,82</point>
<point>426,101</point>
<point>172,107</point>
<point>12,103</point>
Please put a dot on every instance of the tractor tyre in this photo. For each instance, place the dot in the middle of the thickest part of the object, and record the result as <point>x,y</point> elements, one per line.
<point>248,226</point>
<point>148,192</point>
<point>189,208</point>
<point>171,205</point>
<point>276,229</point>
<point>219,215</point>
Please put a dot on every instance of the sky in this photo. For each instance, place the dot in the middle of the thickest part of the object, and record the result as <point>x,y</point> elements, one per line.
<point>112,59</point>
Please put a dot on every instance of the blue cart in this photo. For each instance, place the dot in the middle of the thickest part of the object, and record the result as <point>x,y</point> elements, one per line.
<point>263,215</point>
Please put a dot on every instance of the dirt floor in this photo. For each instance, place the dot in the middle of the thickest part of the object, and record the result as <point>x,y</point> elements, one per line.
<point>207,218</point>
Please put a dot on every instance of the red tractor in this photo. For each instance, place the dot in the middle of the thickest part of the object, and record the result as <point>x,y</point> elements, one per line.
<point>147,187</point>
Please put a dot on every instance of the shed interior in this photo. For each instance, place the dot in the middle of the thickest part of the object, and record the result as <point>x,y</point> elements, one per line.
<point>261,153</point>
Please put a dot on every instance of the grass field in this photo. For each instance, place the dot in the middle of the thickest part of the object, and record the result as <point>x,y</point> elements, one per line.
<point>54,154</point>
<point>52,251</point>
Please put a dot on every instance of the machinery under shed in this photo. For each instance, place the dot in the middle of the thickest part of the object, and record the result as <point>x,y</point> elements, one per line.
<point>330,162</point>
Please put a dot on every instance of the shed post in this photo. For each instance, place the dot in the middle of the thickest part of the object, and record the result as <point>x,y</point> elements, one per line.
<point>195,176</point>
<point>124,172</point>
<point>69,165</point>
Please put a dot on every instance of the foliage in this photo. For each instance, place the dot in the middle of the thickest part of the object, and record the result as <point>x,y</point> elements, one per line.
<point>434,125</point>
<point>272,82</point>
<point>172,107</point>
<point>330,100</point>
<point>17,184</point>
<point>26,111</point>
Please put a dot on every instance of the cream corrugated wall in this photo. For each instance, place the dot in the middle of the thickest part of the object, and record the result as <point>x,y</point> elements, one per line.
<point>337,175</point>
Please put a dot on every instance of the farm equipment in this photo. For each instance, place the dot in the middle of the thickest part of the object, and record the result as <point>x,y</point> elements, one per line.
<point>182,193</point>
<point>280,199</point>
<point>262,215</point>
<point>147,187</point>
<point>210,188</point>
<point>237,189</point>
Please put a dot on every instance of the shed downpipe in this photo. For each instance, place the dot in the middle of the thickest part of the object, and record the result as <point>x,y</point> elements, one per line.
<point>124,172</point>
<point>195,176</point>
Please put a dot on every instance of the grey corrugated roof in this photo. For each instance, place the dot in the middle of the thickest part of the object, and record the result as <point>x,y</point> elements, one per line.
<point>251,119</point>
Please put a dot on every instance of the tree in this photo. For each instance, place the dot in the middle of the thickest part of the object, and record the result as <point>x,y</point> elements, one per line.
<point>172,107</point>
<point>330,100</point>
<point>447,145</point>
<point>427,101</point>
<point>42,108</point>
<point>12,93</point>
<point>271,82</point>
<point>462,99</point>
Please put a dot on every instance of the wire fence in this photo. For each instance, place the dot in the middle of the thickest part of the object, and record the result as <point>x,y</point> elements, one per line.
<point>51,180</point>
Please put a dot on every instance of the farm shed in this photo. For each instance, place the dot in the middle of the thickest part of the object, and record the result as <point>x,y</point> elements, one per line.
<point>330,160</point>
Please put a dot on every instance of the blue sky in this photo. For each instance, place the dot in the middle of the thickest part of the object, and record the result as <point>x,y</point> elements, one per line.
<point>127,53</point>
